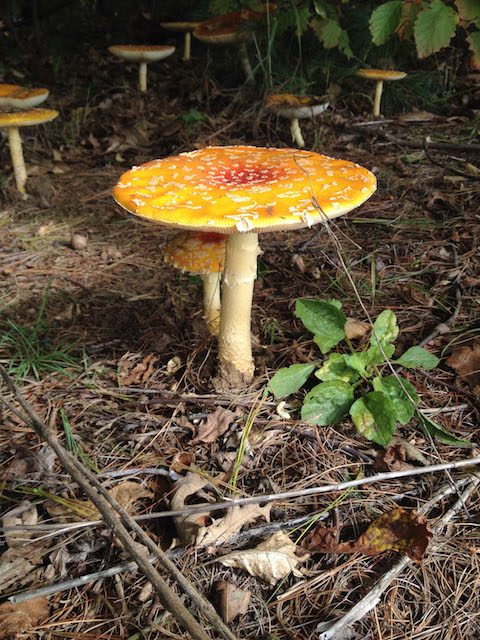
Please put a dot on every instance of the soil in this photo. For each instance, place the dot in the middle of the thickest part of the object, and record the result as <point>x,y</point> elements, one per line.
<point>82,277</point>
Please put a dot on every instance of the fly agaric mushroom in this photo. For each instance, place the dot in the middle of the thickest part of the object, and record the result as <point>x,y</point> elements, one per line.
<point>289,106</point>
<point>380,75</point>
<point>182,27</point>
<point>242,191</point>
<point>16,97</point>
<point>12,120</point>
<point>143,54</point>
<point>231,29</point>
<point>202,253</point>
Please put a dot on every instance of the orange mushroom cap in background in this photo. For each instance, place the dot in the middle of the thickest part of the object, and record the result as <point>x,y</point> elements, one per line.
<point>242,188</point>
<point>12,95</point>
<point>381,74</point>
<point>196,252</point>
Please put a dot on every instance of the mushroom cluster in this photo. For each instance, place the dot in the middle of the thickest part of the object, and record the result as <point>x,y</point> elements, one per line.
<point>241,191</point>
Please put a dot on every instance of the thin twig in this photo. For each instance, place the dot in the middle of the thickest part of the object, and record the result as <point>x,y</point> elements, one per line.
<point>336,630</point>
<point>117,519</point>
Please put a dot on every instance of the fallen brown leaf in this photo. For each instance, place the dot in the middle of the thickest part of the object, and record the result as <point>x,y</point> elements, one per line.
<point>399,530</point>
<point>204,528</point>
<point>216,425</point>
<point>232,601</point>
<point>466,361</point>
<point>271,560</point>
<point>135,369</point>
<point>355,329</point>
<point>22,617</point>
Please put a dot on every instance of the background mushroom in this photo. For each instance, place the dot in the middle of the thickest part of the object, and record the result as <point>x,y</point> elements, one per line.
<point>231,29</point>
<point>242,191</point>
<point>380,75</point>
<point>142,54</point>
<point>12,120</point>
<point>185,28</point>
<point>294,108</point>
<point>12,95</point>
<point>202,253</point>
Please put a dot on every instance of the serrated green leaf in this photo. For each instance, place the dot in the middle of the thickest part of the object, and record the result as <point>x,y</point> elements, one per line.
<point>385,328</point>
<point>468,10</point>
<point>436,431</point>
<point>384,20</point>
<point>390,386</point>
<point>324,320</point>
<point>374,416</point>
<point>330,33</point>
<point>434,28</point>
<point>344,44</point>
<point>335,368</point>
<point>418,357</point>
<point>289,380</point>
<point>327,403</point>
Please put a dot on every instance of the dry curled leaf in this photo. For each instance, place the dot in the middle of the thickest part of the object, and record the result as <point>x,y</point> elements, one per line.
<point>26,514</point>
<point>205,528</point>
<point>399,530</point>
<point>355,329</point>
<point>271,560</point>
<point>22,617</point>
<point>135,369</point>
<point>68,509</point>
<point>232,601</point>
<point>466,361</point>
<point>216,424</point>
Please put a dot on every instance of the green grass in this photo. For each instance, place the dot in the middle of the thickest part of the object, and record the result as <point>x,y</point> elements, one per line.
<point>30,350</point>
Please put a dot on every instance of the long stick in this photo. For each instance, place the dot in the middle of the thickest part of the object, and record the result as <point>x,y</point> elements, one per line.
<point>103,501</point>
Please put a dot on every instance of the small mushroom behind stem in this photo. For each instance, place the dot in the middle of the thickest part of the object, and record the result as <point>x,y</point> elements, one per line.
<point>186,28</point>
<point>204,254</point>
<point>294,108</point>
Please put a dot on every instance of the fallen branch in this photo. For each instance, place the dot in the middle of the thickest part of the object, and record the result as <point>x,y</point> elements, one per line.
<point>117,519</point>
<point>336,631</point>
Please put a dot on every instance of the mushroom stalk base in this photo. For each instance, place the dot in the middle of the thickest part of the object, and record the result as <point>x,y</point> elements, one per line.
<point>15,143</point>
<point>378,98</point>
<point>247,67</point>
<point>211,301</point>
<point>234,341</point>
<point>296,132</point>
<point>187,46</point>
<point>142,76</point>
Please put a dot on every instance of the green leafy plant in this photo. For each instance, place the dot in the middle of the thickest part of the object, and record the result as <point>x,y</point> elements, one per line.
<point>432,23</point>
<point>357,383</point>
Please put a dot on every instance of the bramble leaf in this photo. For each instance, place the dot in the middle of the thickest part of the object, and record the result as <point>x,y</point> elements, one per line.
<point>288,380</point>
<point>434,28</point>
<point>324,320</point>
<point>374,416</point>
<point>384,20</point>
<point>416,357</point>
<point>390,386</point>
<point>327,403</point>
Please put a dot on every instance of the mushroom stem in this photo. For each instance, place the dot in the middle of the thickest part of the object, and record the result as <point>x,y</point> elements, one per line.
<point>187,46</point>
<point>211,301</point>
<point>247,67</point>
<point>142,76</point>
<point>296,133</point>
<point>15,143</point>
<point>234,341</point>
<point>378,97</point>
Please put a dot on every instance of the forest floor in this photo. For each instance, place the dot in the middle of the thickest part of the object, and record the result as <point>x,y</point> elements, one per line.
<point>107,344</point>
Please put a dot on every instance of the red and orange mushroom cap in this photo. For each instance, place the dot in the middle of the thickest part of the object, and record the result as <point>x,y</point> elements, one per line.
<point>229,27</point>
<point>243,189</point>
<point>197,252</point>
